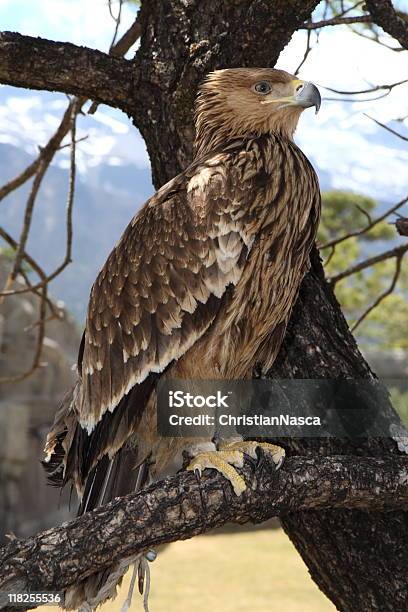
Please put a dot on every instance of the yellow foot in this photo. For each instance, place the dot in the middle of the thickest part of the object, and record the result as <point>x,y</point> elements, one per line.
<point>249,448</point>
<point>222,461</point>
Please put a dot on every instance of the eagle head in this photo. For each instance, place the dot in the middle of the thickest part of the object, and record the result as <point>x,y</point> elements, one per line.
<point>242,102</point>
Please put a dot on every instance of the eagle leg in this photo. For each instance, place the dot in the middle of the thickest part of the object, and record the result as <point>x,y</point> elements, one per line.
<point>249,448</point>
<point>222,461</point>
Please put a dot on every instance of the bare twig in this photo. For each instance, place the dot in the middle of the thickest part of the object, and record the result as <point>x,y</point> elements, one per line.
<point>374,37</point>
<point>372,89</point>
<point>382,296</point>
<point>36,363</point>
<point>345,10</point>
<point>357,100</point>
<point>337,21</point>
<point>58,312</point>
<point>367,228</point>
<point>45,156</point>
<point>28,215</point>
<point>358,4</point>
<point>365,213</point>
<point>116,19</point>
<point>14,245</point>
<point>368,263</point>
<point>130,37</point>
<point>306,53</point>
<point>42,162</point>
<point>330,257</point>
<point>20,255</point>
<point>42,168</point>
<point>386,127</point>
<point>70,199</point>
<point>37,169</point>
<point>78,140</point>
<point>20,252</point>
<point>384,15</point>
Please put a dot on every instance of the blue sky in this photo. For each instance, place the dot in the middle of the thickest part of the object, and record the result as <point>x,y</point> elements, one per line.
<point>340,140</point>
<point>86,22</point>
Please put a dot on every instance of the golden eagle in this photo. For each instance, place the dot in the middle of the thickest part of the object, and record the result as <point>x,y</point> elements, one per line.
<point>204,275</point>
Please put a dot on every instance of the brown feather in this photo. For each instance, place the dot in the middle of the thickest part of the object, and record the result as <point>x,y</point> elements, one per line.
<point>204,276</point>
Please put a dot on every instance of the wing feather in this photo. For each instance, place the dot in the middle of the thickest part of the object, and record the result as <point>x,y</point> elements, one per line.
<point>161,286</point>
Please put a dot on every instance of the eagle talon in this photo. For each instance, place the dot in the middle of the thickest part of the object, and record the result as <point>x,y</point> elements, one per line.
<point>260,457</point>
<point>281,460</point>
<point>222,461</point>
<point>257,450</point>
<point>255,462</point>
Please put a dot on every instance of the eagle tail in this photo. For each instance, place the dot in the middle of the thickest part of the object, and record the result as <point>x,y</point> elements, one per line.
<point>109,479</point>
<point>102,465</point>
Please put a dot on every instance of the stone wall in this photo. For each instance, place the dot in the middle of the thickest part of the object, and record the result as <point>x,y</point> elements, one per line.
<point>27,503</point>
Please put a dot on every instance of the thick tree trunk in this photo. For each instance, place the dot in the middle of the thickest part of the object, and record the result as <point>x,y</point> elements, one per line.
<point>357,558</point>
<point>182,41</point>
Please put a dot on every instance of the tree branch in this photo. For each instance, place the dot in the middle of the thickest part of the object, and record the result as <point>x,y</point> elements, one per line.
<point>181,507</point>
<point>384,15</point>
<point>369,90</point>
<point>37,63</point>
<point>127,40</point>
<point>384,294</point>
<point>45,155</point>
<point>367,263</point>
<point>314,25</point>
<point>74,106</point>
<point>372,223</point>
<point>306,53</point>
<point>386,127</point>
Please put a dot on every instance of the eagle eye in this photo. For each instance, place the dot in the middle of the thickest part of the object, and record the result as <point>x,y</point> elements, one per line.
<point>263,87</point>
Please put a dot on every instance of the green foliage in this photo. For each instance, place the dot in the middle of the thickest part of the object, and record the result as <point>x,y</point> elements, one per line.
<point>386,326</point>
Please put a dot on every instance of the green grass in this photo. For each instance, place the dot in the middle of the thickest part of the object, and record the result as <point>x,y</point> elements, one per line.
<point>248,571</point>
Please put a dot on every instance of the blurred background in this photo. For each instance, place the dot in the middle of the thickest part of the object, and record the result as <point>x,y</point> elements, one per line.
<point>362,168</point>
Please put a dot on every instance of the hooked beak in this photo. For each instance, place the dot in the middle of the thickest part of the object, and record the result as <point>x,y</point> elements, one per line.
<point>305,95</point>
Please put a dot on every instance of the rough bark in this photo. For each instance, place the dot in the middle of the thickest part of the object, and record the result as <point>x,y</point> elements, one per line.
<point>178,46</point>
<point>182,41</point>
<point>384,15</point>
<point>37,63</point>
<point>181,507</point>
<point>358,558</point>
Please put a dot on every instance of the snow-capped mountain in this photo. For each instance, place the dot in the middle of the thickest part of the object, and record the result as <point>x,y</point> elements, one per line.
<point>113,180</point>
